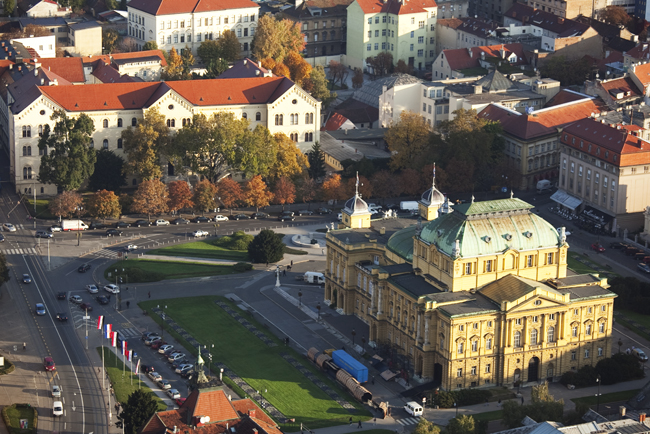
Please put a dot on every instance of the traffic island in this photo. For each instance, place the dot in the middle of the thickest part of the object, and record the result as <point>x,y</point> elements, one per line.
<point>20,418</point>
<point>6,367</point>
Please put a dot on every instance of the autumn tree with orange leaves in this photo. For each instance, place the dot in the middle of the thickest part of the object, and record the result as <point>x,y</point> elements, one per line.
<point>205,194</point>
<point>180,195</point>
<point>284,192</point>
<point>332,189</point>
<point>229,192</point>
<point>104,204</point>
<point>150,198</point>
<point>256,193</point>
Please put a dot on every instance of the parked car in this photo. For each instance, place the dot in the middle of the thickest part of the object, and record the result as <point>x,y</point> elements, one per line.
<point>631,251</point>
<point>40,309</point>
<point>102,299</point>
<point>92,288</point>
<point>113,233</point>
<point>57,408</point>
<point>164,384</point>
<point>83,268</point>
<point>147,368</point>
<point>180,401</point>
<point>112,288</point>
<point>97,225</point>
<point>61,295</point>
<point>86,306</point>
<point>174,394</point>
<point>121,224</point>
<point>48,364</point>
<point>241,217</point>
<point>597,247</point>
<point>139,223</point>
<point>323,210</point>
<point>155,376</point>
<point>175,357</point>
<point>55,228</point>
<point>259,215</point>
<point>180,221</point>
<point>164,348</point>
<point>201,219</point>
<point>170,351</point>
<point>27,278</point>
<point>643,267</point>
<point>182,367</point>
<point>152,339</point>
<point>145,335</point>
<point>618,246</point>
<point>179,362</point>
<point>76,299</point>
<point>286,215</point>
<point>44,234</point>
<point>220,218</point>
<point>156,345</point>
<point>8,227</point>
<point>62,317</point>
<point>161,222</point>
<point>56,391</point>
<point>305,212</point>
<point>638,352</point>
<point>2,238</point>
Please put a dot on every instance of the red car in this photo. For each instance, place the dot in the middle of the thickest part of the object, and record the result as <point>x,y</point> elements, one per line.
<point>158,344</point>
<point>86,306</point>
<point>597,247</point>
<point>48,363</point>
<point>180,401</point>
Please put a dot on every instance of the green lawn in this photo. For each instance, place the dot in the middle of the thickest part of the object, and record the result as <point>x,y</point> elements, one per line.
<point>287,389</point>
<point>151,270</point>
<point>41,208</point>
<point>12,415</point>
<point>489,415</point>
<point>581,268</point>
<point>202,249</point>
<point>623,395</point>
<point>122,383</point>
<point>637,317</point>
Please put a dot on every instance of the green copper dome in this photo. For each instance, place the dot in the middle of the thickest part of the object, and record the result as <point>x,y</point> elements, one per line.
<point>401,243</point>
<point>490,227</point>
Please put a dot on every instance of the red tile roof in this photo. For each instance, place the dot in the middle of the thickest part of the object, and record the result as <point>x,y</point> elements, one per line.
<point>141,54</point>
<point>70,68</point>
<point>640,51</point>
<point>563,97</point>
<point>563,27</point>
<point>214,404</point>
<point>170,7</point>
<point>642,72</point>
<point>620,140</point>
<point>124,96</point>
<point>623,84</point>
<point>395,6</point>
<point>541,122</point>
<point>460,58</point>
<point>335,122</point>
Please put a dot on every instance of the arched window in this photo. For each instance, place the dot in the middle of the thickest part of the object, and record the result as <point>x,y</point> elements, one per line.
<point>517,342</point>
<point>24,151</point>
<point>27,172</point>
<point>258,116</point>
<point>27,131</point>
<point>29,151</point>
<point>171,123</point>
<point>105,123</point>
<point>306,137</point>
<point>294,137</point>
<point>105,143</point>
<point>324,36</point>
<point>42,151</point>
<point>40,130</point>
<point>533,337</point>
<point>119,123</point>
<point>551,334</point>
<point>279,119</point>
<point>134,122</point>
<point>244,115</point>
<point>461,348</point>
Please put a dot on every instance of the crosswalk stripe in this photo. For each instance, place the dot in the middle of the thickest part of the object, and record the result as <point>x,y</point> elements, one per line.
<point>131,332</point>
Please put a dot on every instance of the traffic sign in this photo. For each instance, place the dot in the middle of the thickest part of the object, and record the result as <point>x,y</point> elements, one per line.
<point>86,317</point>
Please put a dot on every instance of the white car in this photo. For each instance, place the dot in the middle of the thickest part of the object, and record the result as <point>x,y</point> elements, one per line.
<point>161,222</point>
<point>56,391</point>
<point>174,394</point>
<point>220,218</point>
<point>57,408</point>
<point>113,289</point>
<point>76,299</point>
<point>199,234</point>
<point>164,384</point>
<point>130,247</point>
<point>55,228</point>
<point>92,289</point>
<point>164,348</point>
<point>155,376</point>
<point>9,227</point>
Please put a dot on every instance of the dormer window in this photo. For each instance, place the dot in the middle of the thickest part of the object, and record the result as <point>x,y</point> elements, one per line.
<point>528,234</point>
<point>508,237</point>
<point>487,239</point>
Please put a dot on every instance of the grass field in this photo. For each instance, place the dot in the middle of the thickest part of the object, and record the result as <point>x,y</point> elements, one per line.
<point>578,267</point>
<point>637,317</point>
<point>623,395</point>
<point>41,208</point>
<point>286,388</point>
<point>150,270</point>
<point>122,383</point>
<point>489,415</point>
<point>202,249</point>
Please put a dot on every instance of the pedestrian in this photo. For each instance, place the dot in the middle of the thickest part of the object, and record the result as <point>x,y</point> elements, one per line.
<point>128,303</point>
<point>292,262</point>
<point>24,346</point>
<point>267,265</point>
<point>284,272</point>
<point>522,400</point>
<point>375,421</point>
<point>127,288</point>
<point>350,421</point>
<point>499,404</point>
<point>486,402</point>
<point>149,294</point>
<point>373,380</point>
<point>359,426</point>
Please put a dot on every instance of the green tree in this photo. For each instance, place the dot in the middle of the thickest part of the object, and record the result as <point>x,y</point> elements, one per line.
<point>137,411</point>
<point>229,46</point>
<point>215,68</point>
<point>462,424</point>
<point>289,160</point>
<point>409,141</point>
<point>109,172</point>
<point>104,204</point>
<point>204,196</point>
<point>4,269</point>
<point>9,7</point>
<point>149,45</point>
<point>320,86</point>
<point>145,143</point>
<point>567,72</point>
<point>275,38</point>
<point>266,247</point>
<point>151,197</point>
<point>426,427</point>
<point>175,67</point>
<point>540,393</point>
<point>209,51</point>
<point>187,60</point>
<point>258,152</point>
<point>69,160</point>
<point>110,38</point>
<point>111,5</point>
<point>316,159</point>
<point>123,7</point>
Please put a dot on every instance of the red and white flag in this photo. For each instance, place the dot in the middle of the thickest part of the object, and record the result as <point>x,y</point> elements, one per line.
<point>114,339</point>
<point>137,366</point>
<point>108,329</point>
<point>130,355</point>
<point>100,322</point>
<point>124,352</point>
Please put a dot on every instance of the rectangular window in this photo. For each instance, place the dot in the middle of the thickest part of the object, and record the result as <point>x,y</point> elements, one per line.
<point>573,355</point>
<point>473,370</point>
<point>488,368</point>
<point>549,258</point>
<point>460,348</point>
<point>459,372</point>
<point>420,39</point>
<point>412,47</point>
<point>369,47</point>
<point>461,328</point>
<point>586,354</point>
<point>377,46</point>
<point>420,53</point>
<point>600,352</point>
<point>468,268</point>
<point>518,321</point>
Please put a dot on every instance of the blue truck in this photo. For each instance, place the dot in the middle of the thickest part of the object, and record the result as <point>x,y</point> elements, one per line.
<point>350,365</point>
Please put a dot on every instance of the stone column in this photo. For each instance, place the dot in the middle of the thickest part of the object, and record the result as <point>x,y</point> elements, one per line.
<point>373,301</point>
<point>417,335</point>
<point>542,330</point>
<point>380,309</point>
<point>524,332</point>
<point>426,330</point>
<point>509,333</point>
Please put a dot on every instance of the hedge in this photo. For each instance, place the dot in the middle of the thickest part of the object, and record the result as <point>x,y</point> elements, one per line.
<point>16,429</point>
<point>8,368</point>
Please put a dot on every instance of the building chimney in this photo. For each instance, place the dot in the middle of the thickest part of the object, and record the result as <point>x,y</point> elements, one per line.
<point>621,410</point>
<point>35,72</point>
<point>478,89</point>
<point>642,417</point>
<point>469,51</point>
<point>560,20</point>
<point>251,413</point>
<point>42,82</point>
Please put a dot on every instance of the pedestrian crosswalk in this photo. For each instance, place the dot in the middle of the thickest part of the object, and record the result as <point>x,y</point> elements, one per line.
<point>27,251</point>
<point>408,421</point>
<point>129,333</point>
<point>105,253</point>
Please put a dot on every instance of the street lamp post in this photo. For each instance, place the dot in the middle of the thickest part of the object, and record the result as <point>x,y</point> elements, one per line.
<point>318,308</point>
<point>354,333</point>
<point>456,407</point>
<point>598,396</point>
<point>162,324</point>
<point>209,358</point>
<point>300,297</point>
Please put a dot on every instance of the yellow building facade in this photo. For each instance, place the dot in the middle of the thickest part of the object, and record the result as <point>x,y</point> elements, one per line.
<point>478,296</point>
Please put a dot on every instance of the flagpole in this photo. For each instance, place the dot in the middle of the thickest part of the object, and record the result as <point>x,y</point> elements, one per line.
<point>131,367</point>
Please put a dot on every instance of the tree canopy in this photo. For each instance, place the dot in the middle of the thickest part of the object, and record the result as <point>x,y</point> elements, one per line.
<point>615,15</point>
<point>145,143</point>
<point>4,269</point>
<point>180,195</point>
<point>567,72</point>
<point>409,141</point>
<point>284,192</point>
<point>275,38</point>
<point>266,247</point>
<point>318,84</point>
<point>65,204</point>
<point>137,410</point>
<point>316,159</point>
<point>68,160</point>
<point>256,193</point>
<point>104,204</point>
<point>149,45</point>
<point>109,172</point>
<point>289,160</point>
<point>151,197</point>
<point>205,196</point>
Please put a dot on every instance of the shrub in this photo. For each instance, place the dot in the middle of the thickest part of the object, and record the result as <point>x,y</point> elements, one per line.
<point>267,247</point>
<point>237,241</point>
<point>444,399</point>
<point>240,267</point>
<point>8,367</point>
<point>471,396</point>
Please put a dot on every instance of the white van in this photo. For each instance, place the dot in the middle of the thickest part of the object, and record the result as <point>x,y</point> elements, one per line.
<point>413,408</point>
<point>544,185</point>
<point>313,277</point>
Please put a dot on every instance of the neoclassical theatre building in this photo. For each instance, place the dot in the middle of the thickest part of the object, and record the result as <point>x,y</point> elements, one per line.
<point>474,296</point>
